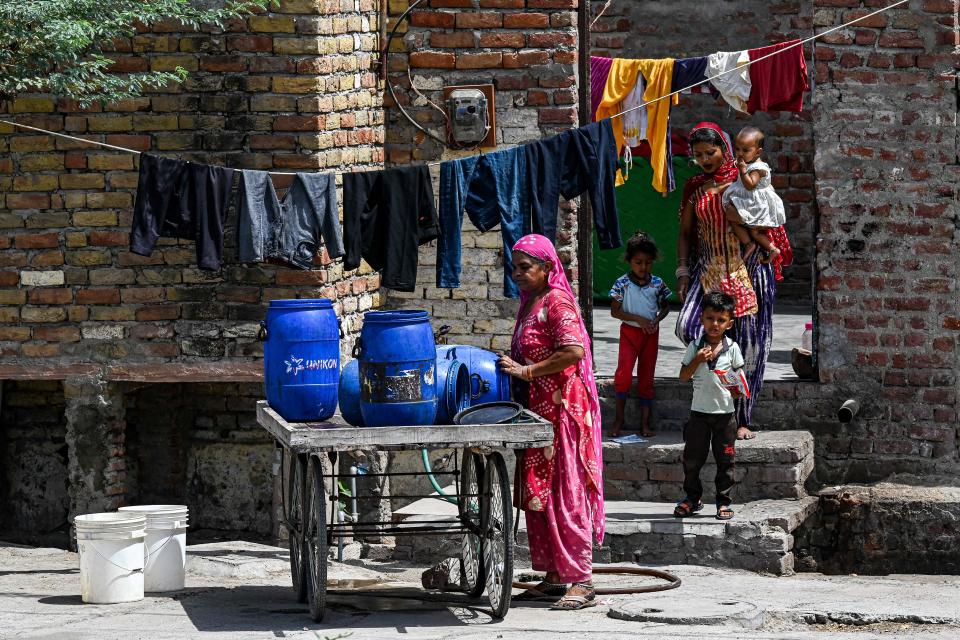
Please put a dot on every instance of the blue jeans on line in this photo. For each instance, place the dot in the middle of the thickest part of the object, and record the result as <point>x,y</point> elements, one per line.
<point>492,188</point>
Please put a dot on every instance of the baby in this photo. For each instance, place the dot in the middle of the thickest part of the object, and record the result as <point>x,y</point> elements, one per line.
<point>751,205</point>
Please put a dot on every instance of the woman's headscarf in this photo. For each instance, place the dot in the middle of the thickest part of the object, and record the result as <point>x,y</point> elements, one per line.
<point>727,172</point>
<point>540,248</point>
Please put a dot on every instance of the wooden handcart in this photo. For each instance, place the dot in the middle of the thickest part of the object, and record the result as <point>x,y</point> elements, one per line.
<point>484,498</point>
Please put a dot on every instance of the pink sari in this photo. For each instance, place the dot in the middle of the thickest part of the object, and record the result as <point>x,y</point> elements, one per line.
<point>560,486</point>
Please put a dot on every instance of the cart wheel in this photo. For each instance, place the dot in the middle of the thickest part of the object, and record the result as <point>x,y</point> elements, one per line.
<point>471,557</point>
<point>315,540</point>
<point>293,513</point>
<point>498,534</point>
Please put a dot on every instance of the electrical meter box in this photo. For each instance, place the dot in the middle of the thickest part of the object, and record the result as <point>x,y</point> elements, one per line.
<point>470,110</point>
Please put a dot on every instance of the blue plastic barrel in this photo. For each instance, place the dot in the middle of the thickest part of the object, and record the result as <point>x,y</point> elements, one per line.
<point>301,362</point>
<point>487,382</point>
<point>349,393</point>
<point>398,363</point>
<point>453,390</point>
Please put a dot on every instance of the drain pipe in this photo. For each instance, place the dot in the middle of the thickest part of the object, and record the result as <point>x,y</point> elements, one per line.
<point>848,410</point>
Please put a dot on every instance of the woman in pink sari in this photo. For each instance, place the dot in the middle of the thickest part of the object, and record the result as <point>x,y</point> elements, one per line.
<point>560,486</point>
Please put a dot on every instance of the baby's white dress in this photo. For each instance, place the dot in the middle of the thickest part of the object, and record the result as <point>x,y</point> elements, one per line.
<point>761,207</point>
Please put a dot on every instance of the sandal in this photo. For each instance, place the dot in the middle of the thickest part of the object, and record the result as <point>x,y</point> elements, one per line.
<point>724,512</point>
<point>574,602</point>
<point>543,592</point>
<point>686,507</point>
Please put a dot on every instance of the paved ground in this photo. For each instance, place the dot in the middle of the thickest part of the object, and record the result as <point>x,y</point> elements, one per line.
<point>250,598</point>
<point>787,329</point>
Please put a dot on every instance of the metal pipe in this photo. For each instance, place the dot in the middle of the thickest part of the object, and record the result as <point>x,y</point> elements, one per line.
<point>848,410</point>
<point>584,241</point>
<point>353,493</point>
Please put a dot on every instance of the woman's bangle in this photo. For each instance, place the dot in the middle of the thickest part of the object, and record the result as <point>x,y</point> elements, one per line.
<point>528,373</point>
<point>682,272</point>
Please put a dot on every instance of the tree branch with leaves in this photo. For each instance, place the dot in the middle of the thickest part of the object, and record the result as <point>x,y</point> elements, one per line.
<point>64,47</point>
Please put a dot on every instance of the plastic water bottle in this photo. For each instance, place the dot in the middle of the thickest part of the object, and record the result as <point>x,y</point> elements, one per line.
<point>806,340</point>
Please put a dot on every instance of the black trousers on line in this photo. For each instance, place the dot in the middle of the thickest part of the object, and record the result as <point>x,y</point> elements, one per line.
<point>703,431</point>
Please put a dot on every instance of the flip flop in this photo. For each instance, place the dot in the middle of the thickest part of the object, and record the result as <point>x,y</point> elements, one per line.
<point>570,602</point>
<point>724,512</point>
<point>543,592</point>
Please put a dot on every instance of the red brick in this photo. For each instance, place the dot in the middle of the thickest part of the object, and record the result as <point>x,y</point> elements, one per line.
<point>51,296</point>
<point>432,60</point>
<point>477,20</point>
<point>98,296</point>
<point>433,19</point>
<point>901,40</point>
<point>50,258</point>
<point>299,123</point>
<point>524,59</point>
<point>939,6</point>
<point>108,239</point>
<point>498,40</point>
<point>557,116</point>
<point>565,57</point>
<point>57,334</point>
<point>552,4</point>
<point>41,350</point>
<point>37,240</point>
<point>133,295</point>
<point>264,64</point>
<point>28,201</point>
<point>451,4</point>
<point>874,22</point>
<point>551,40</point>
<point>9,278</point>
<point>250,43</point>
<point>502,4</point>
<point>537,98</point>
<point>526,21</point>
<point>488,60</point>
<point>140,143</point>
<point>456,40</point>
<point>221,64</point>
<point>158,312</point>
<point>128,64</point>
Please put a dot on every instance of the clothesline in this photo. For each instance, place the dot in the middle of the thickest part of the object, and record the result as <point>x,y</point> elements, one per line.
<point>737,69</point>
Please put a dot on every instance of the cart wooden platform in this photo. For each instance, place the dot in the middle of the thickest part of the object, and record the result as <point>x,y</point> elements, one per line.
<point>482,490</point>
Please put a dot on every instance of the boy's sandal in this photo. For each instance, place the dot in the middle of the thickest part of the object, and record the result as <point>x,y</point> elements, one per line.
<point>724,512</point>
<point>686,507</point>
<point>572,602</point>
<point>543,592</point>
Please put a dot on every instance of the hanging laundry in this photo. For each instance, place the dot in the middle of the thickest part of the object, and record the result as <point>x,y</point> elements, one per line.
<point>569,164</point>
<point>733,86</point>
<point>620,82</point>
<point>687,72</point>
<point>287,230</point>
<point>635,120</point>
<point>780,81</point>
<point>659,76</point>
<point>186,200</point>
<point>492,188</point>
<point>386,215</point>
<point>599,70</point>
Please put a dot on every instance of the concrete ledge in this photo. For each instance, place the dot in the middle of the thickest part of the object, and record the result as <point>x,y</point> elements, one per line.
<point>775,464</point>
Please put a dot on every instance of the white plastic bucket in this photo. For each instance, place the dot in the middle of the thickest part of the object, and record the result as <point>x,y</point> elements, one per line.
<point>165,548</point>
<point>111,556</point>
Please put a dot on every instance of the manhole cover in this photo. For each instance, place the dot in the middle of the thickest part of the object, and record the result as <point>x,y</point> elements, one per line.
<point>708,612</point>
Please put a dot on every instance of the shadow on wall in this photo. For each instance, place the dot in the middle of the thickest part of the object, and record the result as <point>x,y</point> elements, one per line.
<point>34,499</point>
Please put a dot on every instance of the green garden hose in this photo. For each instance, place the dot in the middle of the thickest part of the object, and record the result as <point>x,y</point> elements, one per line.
<point>426,466</point>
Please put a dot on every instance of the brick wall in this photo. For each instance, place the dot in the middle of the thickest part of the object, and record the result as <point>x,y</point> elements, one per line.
<point>290,90</point>
<point>887,178</point>
<point>686,28</point>
<point>527,50</point>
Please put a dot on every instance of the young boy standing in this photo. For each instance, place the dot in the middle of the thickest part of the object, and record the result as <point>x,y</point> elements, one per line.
<point>712,419</point>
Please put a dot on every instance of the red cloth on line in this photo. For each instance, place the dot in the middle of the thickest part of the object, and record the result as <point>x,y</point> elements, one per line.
<point>779,82</point>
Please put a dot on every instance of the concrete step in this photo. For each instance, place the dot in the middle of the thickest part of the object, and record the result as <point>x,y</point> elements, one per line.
<point>783,404</point>
<point>759,538</point>
<point>774,465</point>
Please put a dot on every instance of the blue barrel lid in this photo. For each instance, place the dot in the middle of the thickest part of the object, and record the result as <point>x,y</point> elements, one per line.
<point>302,303</point>
<point>397,316</point>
